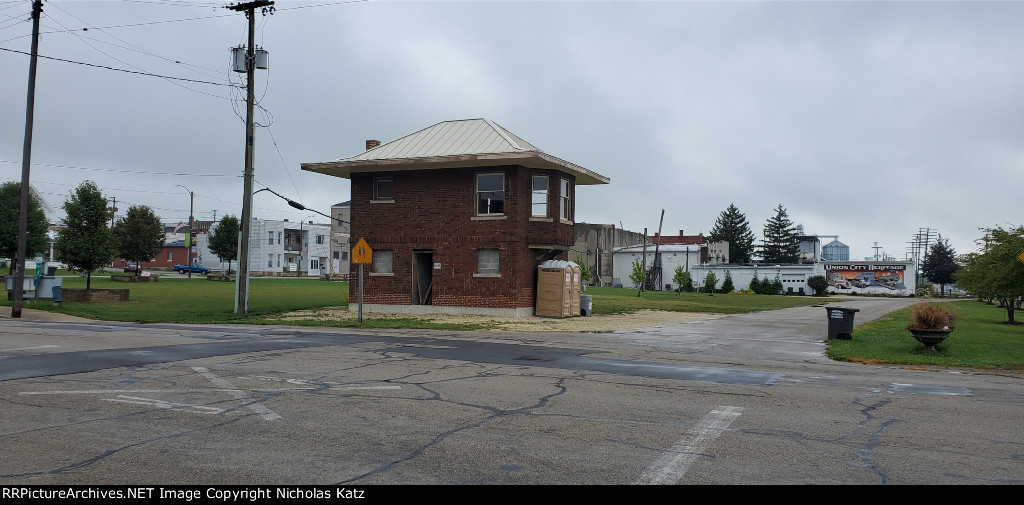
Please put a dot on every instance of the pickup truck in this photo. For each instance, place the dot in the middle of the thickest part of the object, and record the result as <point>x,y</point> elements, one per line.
<point>196,269</point>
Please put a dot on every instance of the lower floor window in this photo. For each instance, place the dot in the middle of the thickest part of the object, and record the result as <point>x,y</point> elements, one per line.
<point>487,262</point>
<point>382,261</point>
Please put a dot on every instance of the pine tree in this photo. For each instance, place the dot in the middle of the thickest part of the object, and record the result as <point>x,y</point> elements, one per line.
<point>727,286</point>
<point>224,239</point>
<point>138,236</point>
<point>85,244</point>
<point>940,265</point>
<point>10,210</point>
<point>780,239</point>
<point>732,227</point>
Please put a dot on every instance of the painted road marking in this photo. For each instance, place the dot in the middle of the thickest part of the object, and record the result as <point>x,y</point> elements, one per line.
<point>671,466</point>
<point>198,409</point>
<point>29,348</point>
<point>238,394</point>
<point>331,385</point>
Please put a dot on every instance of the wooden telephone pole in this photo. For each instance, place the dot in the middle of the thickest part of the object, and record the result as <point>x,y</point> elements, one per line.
<point>242,278</point>
<point>19,272</point>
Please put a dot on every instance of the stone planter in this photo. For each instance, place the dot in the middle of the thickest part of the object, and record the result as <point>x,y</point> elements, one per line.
<point>930,337</point>
<point>221,277</point>
<point>95,295</point>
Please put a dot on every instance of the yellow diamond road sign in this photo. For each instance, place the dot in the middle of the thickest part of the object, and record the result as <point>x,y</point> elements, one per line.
<point>1021,256</point>
<point>361,253</point>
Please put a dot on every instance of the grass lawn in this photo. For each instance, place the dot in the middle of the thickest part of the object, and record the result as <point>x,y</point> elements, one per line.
<point>981,339</point>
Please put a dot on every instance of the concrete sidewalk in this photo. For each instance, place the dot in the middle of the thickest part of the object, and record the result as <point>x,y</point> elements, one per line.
<point>29,314</point>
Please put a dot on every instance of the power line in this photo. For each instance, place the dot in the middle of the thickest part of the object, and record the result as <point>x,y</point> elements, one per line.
<point>120,69</point>
<point>120,170</point>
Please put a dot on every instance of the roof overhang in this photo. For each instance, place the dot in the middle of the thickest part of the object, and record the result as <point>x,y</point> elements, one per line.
<point>530,159</point>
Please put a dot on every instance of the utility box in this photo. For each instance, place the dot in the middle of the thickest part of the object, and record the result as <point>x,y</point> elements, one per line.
<point>555,291</point>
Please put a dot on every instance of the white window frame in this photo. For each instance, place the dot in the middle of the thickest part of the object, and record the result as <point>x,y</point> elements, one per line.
<point>565,200</point>
<point>537,195</point>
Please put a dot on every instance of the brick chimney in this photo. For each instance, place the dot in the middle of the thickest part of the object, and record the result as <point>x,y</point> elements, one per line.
<point>370,144</point>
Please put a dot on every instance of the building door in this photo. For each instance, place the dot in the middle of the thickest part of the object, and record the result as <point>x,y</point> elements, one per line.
<point>422,277</point>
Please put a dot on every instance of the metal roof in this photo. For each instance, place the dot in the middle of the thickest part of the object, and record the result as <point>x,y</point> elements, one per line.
<point>451,144</point>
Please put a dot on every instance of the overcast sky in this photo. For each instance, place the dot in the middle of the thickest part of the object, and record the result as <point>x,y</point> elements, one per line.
<point>869,121</point>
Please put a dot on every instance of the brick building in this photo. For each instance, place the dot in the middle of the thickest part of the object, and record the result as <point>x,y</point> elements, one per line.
<point>459,215</point>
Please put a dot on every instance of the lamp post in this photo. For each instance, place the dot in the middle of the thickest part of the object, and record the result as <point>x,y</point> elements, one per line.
<point>191,201</point>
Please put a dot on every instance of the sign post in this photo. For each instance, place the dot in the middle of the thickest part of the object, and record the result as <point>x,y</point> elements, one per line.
<point>362,254</point>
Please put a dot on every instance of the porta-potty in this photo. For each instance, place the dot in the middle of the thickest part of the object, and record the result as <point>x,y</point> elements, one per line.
<point>554,289</point>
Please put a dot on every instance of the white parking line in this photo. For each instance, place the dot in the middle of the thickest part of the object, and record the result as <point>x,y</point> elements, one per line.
<point>198,409</point>
<point>254,406</point>
<point>671,466</point>
<point>29,348</point>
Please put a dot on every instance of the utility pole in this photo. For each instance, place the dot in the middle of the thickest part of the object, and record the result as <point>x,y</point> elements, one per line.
<point>242,279</point>
<point>113,210</point>
<point>19,275</point>
<point>191,202</point>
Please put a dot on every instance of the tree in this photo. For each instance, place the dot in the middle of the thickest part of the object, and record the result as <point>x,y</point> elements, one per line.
<point>940,264</point>
<point>710,281</point>
<point>996,271</point>
<point>732,227</point>
<point>755,284</point>
<point>10,212</point>
<point>682,279</point>
<point>85,243</point>
<point>224,240</point>
<point>138,236</point>
<point>586,271</point>
<point>780,239</point>
<point>819,284</point>
<point>727,286</point>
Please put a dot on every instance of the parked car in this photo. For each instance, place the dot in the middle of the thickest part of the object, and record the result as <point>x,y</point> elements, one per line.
<point>132,266</point>
<point>195,267</point>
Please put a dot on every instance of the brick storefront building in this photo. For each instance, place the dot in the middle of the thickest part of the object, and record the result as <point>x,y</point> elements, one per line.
<point>459,215</point>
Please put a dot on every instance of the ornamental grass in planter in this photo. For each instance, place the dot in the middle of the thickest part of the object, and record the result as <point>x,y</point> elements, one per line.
<point>931,323</point>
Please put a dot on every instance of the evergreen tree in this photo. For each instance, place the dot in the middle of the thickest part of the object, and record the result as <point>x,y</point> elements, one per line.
<point>940,265</point>
<point>780,239</point>
<point>138,236</point>
<point>727,286</point>
<point>10,211</point>
<point>224,239</point>
<point>732,227</point>
<point>84,244</point>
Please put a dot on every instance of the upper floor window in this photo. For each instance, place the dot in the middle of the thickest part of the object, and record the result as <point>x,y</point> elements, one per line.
<point>278,237</point>
<point>564,202</point>
<point>270,238</point>
<point>383,188</point>
<point>490,194</point>
<point>540,196</point>
<point>320,239</point>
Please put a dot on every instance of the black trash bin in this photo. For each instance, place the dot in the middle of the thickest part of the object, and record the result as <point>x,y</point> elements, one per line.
<point>840,322</point>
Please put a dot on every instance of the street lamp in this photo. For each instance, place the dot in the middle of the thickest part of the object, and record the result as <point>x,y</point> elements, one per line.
<point>192,199</point>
